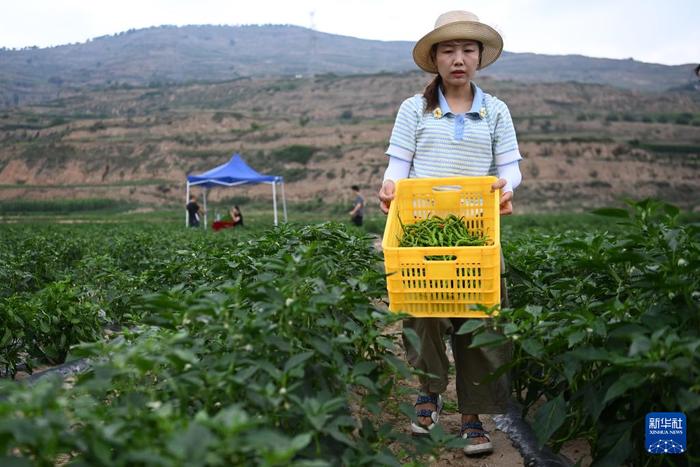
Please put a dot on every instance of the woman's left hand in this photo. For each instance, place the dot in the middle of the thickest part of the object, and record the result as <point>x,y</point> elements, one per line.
<point>506,198</point>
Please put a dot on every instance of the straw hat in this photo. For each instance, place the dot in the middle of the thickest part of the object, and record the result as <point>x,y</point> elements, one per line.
<point>458,25</point>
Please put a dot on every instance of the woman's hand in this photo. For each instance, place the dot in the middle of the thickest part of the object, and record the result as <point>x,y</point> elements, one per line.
<point>386,195</point>
<point>506,202</point>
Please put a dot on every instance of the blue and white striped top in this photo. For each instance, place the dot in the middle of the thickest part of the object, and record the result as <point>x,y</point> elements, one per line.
<point>444,144</point>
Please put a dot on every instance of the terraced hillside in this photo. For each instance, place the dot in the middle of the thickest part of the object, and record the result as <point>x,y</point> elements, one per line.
<point>584,144</point>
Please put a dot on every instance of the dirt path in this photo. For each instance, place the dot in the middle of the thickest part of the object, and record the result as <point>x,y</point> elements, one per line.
<point>505,454</point>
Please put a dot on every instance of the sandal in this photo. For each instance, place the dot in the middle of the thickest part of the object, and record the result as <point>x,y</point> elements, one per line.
<point>420,429</point>
<point>467,433</point>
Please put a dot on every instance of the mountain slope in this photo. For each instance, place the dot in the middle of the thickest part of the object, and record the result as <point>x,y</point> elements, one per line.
<point>217,53</point>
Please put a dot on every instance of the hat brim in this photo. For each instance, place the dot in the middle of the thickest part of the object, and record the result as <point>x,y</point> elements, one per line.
<point>465,30</point>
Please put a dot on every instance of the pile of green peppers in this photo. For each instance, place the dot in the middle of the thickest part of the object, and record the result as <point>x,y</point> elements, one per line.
<point>439,231</point>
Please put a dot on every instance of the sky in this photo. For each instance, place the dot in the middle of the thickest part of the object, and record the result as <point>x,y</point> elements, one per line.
<point>654,31</point>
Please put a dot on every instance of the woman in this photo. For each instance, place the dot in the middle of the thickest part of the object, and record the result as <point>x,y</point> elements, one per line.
<point>236,216</point>
<point>455,129</point>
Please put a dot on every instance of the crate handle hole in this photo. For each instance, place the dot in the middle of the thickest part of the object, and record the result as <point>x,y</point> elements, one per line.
<point>447,188</point>
<point>441,258</point>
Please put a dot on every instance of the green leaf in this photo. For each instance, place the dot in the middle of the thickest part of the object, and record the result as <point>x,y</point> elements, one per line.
<point>487,339</point>
<point>23,430</point>
<point>470,326</point>
<point>408,410</point>
<point>6,337</point>
<point>340,436</point>
<point>611,212</point>
<point>399,365</point>
<point>270,369</point>
<point>671,210</point>
<point>322,346</point>
<point>640,345</point>
<point>297,360</point>
<point>534,310</point>
<point>626,382</point>
<point>366,382</point>
<point>233,419</point>
<point>44,327</point>
<point>576,337</point>
<point>589,354</point>
<point>186,356</point>
<point>592,403</point>
<point>142,457</point>
<point>532,347</point>
<point>15,462</point>
<point>615,445</point>
<point>386,343</point>
<point>440,436</point>
<point>363,368</point>
<point>688,401</point>
<point>549,418</point>
<point>299,442</point>
<point>571,367</point>
<point>264,439</point>
<point>412,338</point>
<point>193,443</point>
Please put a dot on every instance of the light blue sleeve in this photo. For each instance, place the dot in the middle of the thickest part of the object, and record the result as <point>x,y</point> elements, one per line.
<point>505,143</point>
<point>402,143</point>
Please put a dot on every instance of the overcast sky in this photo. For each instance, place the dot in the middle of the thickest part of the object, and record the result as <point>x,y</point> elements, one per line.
<point>658,31</point>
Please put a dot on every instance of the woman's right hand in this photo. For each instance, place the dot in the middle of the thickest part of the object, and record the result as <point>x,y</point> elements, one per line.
<point>386,195</point>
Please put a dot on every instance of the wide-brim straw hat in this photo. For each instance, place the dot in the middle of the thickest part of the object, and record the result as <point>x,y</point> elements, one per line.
<point>455,25</point>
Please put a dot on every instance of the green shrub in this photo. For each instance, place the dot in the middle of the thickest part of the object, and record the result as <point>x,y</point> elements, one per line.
<point>61,206</point>
<point>298,153</point>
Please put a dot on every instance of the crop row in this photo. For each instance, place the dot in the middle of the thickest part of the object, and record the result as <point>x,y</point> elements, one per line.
<point>60,285</point>
<point>270,353</point>
<point>607,329</point>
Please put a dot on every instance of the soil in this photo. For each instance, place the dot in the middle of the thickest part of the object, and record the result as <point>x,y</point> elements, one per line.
<point>505,453</point>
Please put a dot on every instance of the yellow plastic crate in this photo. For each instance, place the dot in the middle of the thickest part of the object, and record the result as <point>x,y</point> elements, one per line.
<point>471,275</point>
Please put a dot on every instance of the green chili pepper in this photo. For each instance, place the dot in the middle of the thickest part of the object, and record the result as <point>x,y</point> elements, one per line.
<point>437,231</point>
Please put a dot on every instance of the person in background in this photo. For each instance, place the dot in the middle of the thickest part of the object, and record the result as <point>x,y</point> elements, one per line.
<point>236,216</point>
<point>358,209</point>
<point>193,211</point>
<point>455,129</point>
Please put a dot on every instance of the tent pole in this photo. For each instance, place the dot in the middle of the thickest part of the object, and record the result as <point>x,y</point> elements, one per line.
<point>284,201</point>
<point>274,200</point>
<point>205,208</point>
<point>187,200</point>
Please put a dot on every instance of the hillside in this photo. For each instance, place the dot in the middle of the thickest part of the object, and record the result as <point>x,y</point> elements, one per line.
<point>170,54</point>
<point>585,145</point>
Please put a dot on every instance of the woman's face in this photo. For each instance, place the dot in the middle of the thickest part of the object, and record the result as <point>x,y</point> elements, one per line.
<point>457,61</point>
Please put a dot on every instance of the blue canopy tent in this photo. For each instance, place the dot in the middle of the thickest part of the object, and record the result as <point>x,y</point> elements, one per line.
<point>234,173</point>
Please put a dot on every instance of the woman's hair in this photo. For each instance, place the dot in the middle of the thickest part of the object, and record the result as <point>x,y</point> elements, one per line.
<point>431,90</point>
<point>431,94</point>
